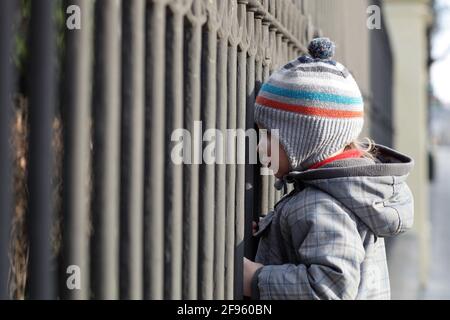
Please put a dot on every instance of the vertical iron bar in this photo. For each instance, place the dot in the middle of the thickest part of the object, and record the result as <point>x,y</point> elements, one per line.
<point>279,42</point>
<point>174,172</point>
<point>154,153</point>
<point>231,174</point>
<point>7,10</point>
<point>241,172</point>
<point>251,196</point>
<point>206,194</point>
<point>192,64</point>
<point>220,179</point>
<point>77,114</point>
<point>270,189</point>
<point>270,193</point>
<point>286,55</point>
<point>106,164</point>
<point>132,150</point>
<point>41,112</point>
<point>262,201</point>
<point>241,123</point>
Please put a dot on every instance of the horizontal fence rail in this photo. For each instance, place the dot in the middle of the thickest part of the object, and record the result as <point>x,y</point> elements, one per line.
<point>110,215</point>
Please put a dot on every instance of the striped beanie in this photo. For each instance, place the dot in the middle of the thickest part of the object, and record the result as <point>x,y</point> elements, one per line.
<point>315,104</point>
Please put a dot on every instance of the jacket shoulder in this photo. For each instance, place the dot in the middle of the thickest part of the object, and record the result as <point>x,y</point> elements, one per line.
<point>304,208</point>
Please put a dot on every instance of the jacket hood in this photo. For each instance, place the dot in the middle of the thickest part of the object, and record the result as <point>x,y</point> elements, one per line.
<point>375,191</point>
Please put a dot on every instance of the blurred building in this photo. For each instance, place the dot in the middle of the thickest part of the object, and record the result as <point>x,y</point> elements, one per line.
<point>407,22</point>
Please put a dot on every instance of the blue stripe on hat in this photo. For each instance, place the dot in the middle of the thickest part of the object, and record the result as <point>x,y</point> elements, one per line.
<point>307,95</point>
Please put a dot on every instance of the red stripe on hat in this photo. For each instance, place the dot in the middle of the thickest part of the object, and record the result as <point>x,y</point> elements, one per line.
<point>353,153</point>
<point>311,111</point>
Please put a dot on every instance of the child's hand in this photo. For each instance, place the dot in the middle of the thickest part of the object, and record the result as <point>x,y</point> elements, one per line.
<point>254,227</point>
<point>250,268</point>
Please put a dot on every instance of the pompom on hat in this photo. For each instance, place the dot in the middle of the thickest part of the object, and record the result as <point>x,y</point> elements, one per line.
<point>315,103</point>
<point>321,48</point>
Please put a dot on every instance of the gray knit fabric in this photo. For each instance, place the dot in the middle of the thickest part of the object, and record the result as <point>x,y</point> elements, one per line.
<point>315,104</point>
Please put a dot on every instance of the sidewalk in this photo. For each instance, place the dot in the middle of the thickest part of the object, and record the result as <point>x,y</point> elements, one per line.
<point>439,279</point>
<point>403,263</point>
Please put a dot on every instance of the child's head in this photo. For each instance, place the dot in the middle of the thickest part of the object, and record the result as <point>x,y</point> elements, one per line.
<point>314,103</point>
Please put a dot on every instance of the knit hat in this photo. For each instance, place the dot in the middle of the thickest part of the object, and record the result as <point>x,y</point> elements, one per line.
<point>315,104</point>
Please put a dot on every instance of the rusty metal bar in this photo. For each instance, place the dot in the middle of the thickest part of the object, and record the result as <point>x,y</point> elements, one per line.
<point>154,152</point>
<point>7,11</point>
<point>106,162</point>
<point>77,116</point>
<point>132,150</point>
<point>41,112</point>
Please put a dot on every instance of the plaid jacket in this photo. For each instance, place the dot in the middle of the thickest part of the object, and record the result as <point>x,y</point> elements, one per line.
<point>324,240</point>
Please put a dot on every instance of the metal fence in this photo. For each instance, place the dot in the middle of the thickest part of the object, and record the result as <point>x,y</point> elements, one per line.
<point>136,224</point>
<point>381,79</point>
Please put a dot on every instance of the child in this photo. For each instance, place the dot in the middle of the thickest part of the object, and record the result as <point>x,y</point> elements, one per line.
<point>324,240</point>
